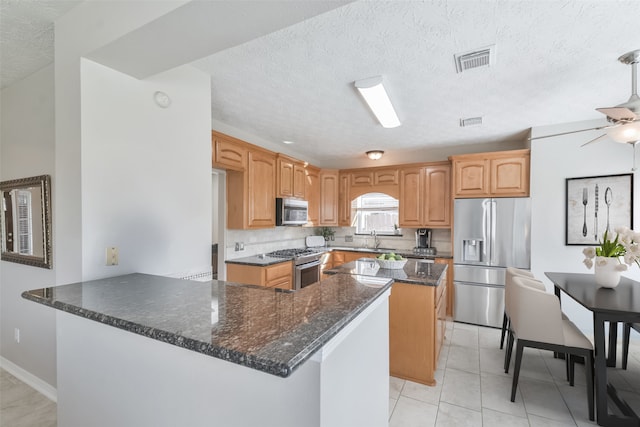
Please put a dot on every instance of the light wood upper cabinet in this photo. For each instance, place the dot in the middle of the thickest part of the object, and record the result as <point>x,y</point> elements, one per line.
<point>251,193</point>
<point>344,201</point>
<point>291,177</point>
<point>313,191</point>
<point>261,174</point>
<point>228,152</point>
<point>386,177</point>
<point>496,174</point>
<point>437,196</point>
<point>410,203</point>
<point>510,176</point>
<point>329,197</point>
<point>425,199</point>
<point>361,178</point>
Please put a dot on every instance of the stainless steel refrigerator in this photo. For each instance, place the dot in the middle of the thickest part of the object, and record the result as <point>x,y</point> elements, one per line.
<point>489,235</point>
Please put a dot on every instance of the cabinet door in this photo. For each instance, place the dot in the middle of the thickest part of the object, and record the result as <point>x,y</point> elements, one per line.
<point>344,201</point>
<point>386,177</point>
<point>510,176</point>
<point>410,203</point>
<point>312,190</point>
<point>449,283</point>
<point>299,178</point>
<point>285,177</point>
<point>261,197</point>
<point>441,323</point>
<point>437,196</point>
<point>227,153</point>
<point>471,178</point>
<point>329,198</point>
<point>362,179</point>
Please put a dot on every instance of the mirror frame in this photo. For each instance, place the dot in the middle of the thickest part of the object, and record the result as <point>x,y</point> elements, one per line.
<point>44,182</point>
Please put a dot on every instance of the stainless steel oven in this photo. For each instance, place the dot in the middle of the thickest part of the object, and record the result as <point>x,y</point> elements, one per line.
<point>306,274</point>
<point>306,265</point>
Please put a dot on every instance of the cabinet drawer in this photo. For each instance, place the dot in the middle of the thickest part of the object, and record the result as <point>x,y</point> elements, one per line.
<point>386,176</point>
<point>277,271</point>
<point>283,283</point>
<point>359,179</point>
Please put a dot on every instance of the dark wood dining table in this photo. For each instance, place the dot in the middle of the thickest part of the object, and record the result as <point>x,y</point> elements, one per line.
<point>619,304</point>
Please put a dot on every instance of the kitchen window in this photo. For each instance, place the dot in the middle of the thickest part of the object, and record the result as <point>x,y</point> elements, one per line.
<point>375,212</point>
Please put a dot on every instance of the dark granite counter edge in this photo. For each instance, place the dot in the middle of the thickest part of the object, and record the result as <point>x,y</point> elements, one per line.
<point>261,364</point>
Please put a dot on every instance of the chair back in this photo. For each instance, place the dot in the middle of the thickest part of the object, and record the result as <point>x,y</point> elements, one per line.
<point>535,314</point>
<point>511,273</point>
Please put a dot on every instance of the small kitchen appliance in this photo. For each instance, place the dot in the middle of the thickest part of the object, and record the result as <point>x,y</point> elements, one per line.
<point>423,242</point>
<point>291,211</point>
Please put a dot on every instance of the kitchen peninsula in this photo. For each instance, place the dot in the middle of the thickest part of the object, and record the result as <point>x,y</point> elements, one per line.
<point>417,314</point>
<point>155,351</point>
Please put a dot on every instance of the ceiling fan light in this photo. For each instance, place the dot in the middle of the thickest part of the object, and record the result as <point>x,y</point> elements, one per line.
<point>626,133</point>
<point>375,154</point>
<point>376,97</point>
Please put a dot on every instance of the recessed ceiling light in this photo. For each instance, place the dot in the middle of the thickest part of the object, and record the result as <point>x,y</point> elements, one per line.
<point>287,142</point>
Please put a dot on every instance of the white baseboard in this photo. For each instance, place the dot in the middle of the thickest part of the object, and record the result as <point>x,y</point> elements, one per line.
<point>28,378</point>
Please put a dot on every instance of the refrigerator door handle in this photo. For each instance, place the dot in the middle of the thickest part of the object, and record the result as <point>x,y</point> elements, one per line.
<point>488,239</point>
<point>492,246</point>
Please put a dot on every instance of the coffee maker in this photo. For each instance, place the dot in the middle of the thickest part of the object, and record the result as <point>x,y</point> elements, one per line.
<point>423,242</point>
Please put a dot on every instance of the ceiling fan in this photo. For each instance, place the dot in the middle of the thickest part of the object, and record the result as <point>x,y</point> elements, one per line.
<point>624,118</point>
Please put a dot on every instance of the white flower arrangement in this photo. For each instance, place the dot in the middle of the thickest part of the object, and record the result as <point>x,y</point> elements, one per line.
<point>625,245</point>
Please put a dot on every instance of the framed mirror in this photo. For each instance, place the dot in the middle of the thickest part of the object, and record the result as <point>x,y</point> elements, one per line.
<point>26,221</point>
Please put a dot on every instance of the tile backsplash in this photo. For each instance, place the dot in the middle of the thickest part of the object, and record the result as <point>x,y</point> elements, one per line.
<point>271,239</point>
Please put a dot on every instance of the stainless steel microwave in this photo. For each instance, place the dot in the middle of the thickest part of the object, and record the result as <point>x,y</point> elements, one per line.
<point>291,211</point>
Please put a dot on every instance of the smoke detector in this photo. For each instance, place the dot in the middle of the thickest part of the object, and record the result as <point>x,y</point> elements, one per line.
<point>478,58</point>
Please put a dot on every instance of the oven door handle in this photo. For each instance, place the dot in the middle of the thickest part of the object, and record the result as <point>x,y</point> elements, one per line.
<point>307,265</point>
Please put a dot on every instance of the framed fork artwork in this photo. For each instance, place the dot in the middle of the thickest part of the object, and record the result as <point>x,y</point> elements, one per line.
<point>596,204</point>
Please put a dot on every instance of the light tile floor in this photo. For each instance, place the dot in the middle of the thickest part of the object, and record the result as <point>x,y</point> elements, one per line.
<point>22,406</point>
<point>472,389</point>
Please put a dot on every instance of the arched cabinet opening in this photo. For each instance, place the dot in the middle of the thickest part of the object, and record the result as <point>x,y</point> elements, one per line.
<point>375,212</point>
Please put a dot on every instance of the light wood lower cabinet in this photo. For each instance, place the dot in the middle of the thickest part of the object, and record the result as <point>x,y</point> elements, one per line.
<point>417,319</point>
<point>273,276</point>
<point>449,281</point>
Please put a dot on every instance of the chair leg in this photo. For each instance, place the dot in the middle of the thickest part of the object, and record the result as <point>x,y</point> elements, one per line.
<point>571,363</point>
<point>590,390</point>
<point>626,335</point>
<point>516,370</point>
<point>505,320</point>
<point>507,354</point>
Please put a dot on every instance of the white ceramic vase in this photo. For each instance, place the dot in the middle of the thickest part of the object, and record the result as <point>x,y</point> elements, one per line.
<point>606,272</point>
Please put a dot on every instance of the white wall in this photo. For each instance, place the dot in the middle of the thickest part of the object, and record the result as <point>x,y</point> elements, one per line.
<point>552,161</point>
<point>26,149</point>
<point>146,172</point>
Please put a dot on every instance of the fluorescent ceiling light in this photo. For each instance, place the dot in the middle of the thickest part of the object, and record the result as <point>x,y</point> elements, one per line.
<point>376,97</point>
<point>626,133</point>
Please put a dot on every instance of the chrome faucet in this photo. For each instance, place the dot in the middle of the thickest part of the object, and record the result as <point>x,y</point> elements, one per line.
<point>376,241</point>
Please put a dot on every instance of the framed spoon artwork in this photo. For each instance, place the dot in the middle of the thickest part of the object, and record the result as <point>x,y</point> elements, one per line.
<point>596,204</point>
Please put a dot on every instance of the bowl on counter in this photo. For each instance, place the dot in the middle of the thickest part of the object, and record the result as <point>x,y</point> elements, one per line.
<point>392,264</point>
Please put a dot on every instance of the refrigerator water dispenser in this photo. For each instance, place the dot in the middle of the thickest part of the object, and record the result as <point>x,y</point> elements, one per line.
<point>472,250</point>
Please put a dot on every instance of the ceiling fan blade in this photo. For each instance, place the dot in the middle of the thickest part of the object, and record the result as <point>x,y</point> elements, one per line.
<point>601,137</point>
<point>618,113</point>
<point>569,133</point>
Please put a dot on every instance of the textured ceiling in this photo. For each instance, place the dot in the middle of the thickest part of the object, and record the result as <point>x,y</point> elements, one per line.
<point>26,36</point>
<point>556,62</point>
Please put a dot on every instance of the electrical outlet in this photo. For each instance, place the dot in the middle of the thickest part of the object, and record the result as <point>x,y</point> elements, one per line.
<point>348,238</point>
<point>16,335</point>
<point>239,246</point>
<point>112,256</point>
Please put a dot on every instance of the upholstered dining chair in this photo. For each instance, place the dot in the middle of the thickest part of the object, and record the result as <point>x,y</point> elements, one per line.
<point>511,271</point>
<point>626,335</point>
<point>537,322</point>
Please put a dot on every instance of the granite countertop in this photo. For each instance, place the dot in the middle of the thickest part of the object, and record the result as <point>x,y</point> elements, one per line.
<point>261,328</point>
<point>407,253</point>
<point>414,272</point>
<point>261,260</point>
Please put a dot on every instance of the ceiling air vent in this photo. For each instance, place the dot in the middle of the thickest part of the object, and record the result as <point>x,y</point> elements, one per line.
<point>471,121</point>
<point>475,59</point>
